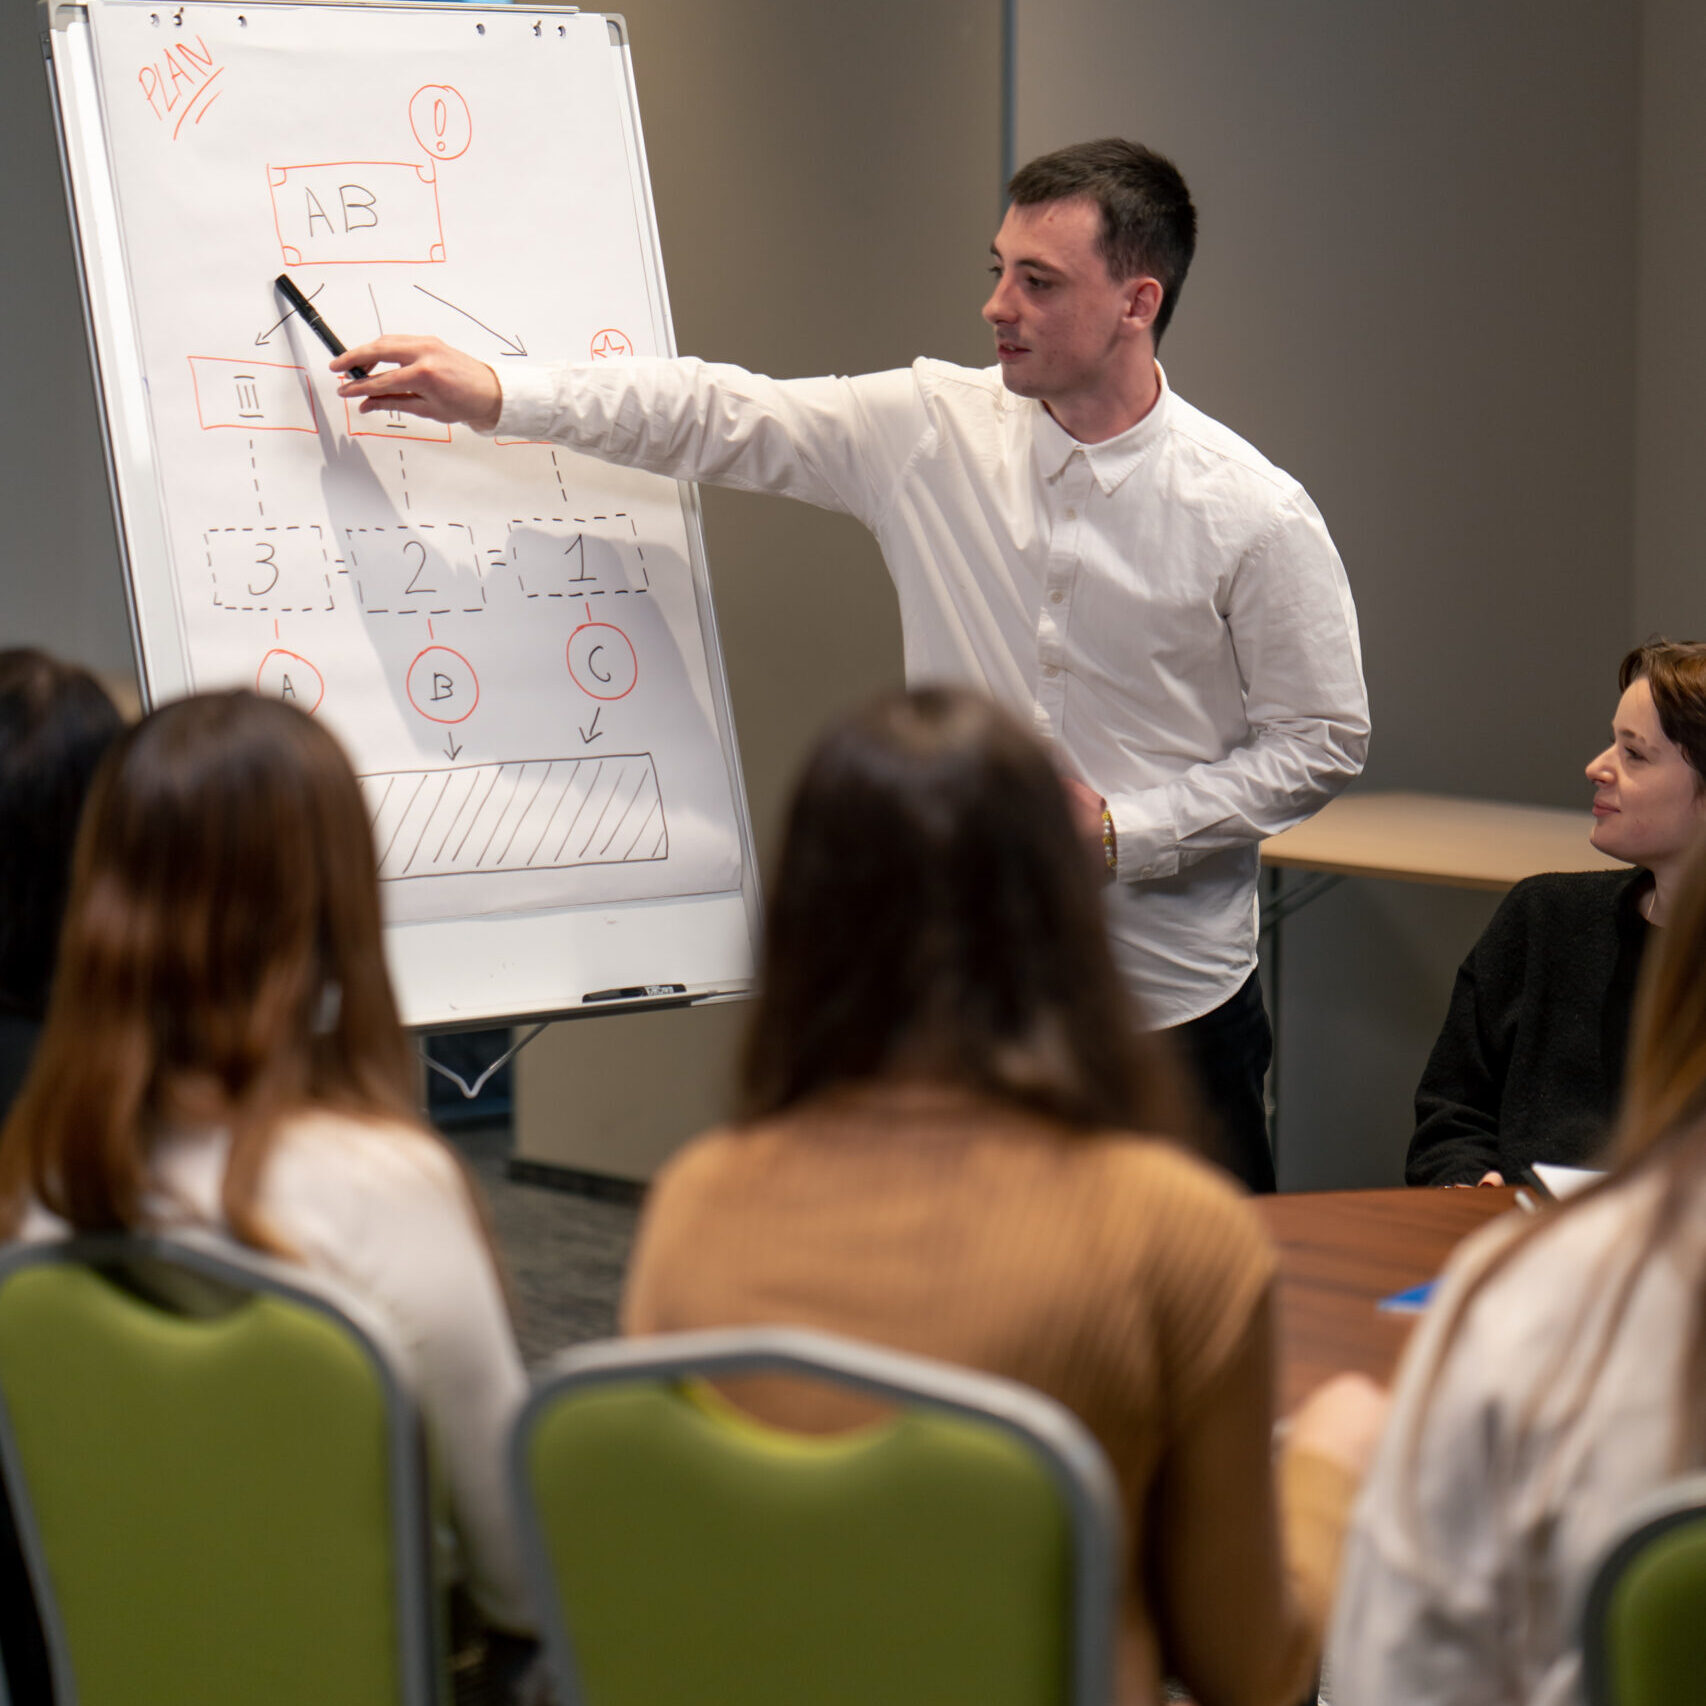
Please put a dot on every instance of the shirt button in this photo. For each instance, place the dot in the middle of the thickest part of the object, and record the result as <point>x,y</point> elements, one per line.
<point>1051,672</point>
<point>1072,515</point>
<point>1056,596</point>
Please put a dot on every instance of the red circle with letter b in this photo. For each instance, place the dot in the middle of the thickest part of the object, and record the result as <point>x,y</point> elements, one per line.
<point>443,685</point>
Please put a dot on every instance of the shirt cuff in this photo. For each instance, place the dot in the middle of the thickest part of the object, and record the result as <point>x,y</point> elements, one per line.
<point>529,402</point>
<point>1146,840</point>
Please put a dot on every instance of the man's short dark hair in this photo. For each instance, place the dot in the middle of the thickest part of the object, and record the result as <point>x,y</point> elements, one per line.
<point>1148,222</point>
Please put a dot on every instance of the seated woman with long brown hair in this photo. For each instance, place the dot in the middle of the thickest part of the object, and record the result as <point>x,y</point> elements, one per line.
<point>937,1150</point>
<point>221,1051</point>
<point>1559,1378</point>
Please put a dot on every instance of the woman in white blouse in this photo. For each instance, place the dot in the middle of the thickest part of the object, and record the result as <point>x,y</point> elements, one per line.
<point>221,1052</point>
<point>1559,1377</point>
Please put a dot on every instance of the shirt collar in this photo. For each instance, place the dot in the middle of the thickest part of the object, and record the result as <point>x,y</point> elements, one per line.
<point>1111,460</point>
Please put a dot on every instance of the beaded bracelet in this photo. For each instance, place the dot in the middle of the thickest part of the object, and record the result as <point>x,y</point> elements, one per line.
<point>1109,851</point>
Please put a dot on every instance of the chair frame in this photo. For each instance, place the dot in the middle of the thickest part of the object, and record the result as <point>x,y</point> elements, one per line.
<point>420,1666</point>
<point>1672,1505</point>
<point>1072,1456</point>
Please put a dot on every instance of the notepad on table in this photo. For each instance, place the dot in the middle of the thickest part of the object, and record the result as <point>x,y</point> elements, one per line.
<point>1565,1181</point>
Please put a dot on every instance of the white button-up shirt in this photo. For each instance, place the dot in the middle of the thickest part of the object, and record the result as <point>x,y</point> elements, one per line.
<point>1165,608</point>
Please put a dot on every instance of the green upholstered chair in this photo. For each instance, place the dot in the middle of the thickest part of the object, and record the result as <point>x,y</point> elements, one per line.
<point>963,1550</point>
<point>218,1480</point>
<point>1644,1619</point>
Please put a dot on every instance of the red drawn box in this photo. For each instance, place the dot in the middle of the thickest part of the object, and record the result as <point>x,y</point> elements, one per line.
<point>357,212</point>
<point>390,423</point>
<point>252,396</point>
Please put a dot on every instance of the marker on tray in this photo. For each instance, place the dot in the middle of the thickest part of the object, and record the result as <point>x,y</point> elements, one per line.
<point>311,317</point>
<point>636,992</point>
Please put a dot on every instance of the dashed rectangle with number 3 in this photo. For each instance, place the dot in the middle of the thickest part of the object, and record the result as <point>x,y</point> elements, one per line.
<point>276,569</point>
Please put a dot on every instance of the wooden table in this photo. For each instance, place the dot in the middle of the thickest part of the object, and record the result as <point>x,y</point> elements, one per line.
<point>1340,1253</point>
<point>1437,838</point>
<point>1422,838</point>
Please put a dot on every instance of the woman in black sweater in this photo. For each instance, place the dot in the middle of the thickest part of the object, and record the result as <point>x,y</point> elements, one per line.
<point>1529,1064</point>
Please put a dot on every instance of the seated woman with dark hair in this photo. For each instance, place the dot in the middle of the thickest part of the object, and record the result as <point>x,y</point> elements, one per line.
<point>55,722</point>
<point>221,1053</point>
<point>938,1149</point>
<point>1530,1061</point>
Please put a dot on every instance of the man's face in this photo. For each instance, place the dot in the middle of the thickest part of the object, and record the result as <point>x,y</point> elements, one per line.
<point>1061,323</point>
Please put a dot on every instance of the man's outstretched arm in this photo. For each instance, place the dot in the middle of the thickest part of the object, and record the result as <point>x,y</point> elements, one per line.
<point>837,443</point>
<point>427,377</point>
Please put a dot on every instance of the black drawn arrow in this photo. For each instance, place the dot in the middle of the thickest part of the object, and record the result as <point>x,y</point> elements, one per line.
<point>451,749</point>
<point>595,733</point>
<point>512,346</point>
<point>266,336</point>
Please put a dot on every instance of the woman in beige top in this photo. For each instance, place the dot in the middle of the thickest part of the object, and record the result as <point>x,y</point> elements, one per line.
<point>937,1150</point>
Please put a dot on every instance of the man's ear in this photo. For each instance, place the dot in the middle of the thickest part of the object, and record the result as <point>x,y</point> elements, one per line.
<point>1143,301</point>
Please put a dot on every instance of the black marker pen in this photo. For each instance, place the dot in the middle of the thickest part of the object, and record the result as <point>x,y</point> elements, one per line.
<point>311,317</point>
<point>636,992</point>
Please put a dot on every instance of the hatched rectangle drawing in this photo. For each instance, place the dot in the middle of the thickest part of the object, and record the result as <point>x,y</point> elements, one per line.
<point>538,815</point>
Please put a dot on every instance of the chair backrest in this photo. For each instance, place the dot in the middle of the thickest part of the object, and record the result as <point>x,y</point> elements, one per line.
<point>965,1549</point>
<point>218,1481</point>
<point>1644,1619</point>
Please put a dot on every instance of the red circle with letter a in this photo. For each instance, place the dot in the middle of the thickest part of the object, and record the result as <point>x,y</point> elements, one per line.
<point>291,677</point>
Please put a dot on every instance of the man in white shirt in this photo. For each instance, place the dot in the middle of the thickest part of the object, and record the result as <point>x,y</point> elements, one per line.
<point>1155,598</point>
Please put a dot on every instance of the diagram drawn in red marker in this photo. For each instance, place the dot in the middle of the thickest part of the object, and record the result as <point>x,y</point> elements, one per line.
<point>443,686</point>
<point>610,342</point>
<point>252,396</point>
<point>602,661</point>
<point>357,212</point>
<point>291,677</point>
<point>440,119</point>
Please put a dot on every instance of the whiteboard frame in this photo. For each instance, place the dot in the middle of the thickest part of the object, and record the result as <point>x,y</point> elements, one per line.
<point>450,974</point>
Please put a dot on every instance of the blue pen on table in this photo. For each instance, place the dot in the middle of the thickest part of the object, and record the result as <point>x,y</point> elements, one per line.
<point>311,318</point>
<point>1411,1301</point>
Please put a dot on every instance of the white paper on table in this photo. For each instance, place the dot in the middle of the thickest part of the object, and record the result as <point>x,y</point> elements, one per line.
<point>1565,1181</point>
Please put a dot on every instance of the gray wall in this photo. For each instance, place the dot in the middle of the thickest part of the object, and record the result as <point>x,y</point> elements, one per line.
<point>1670,424</point>
<point>59,577</point>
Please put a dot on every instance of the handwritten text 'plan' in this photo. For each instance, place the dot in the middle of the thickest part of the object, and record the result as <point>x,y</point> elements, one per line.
<point>182,83</point>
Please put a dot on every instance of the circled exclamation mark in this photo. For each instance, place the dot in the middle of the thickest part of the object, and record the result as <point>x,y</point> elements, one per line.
<point>439,117</point>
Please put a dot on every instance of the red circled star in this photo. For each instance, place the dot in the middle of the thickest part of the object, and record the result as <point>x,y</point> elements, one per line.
<point>610,342</point>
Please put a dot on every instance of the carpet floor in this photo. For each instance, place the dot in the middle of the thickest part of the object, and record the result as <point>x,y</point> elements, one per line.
<point>564,1253</point>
